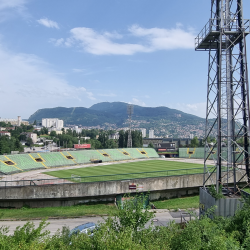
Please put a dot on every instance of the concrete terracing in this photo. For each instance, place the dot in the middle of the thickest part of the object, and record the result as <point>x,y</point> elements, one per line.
<point>77,193</point>
<point>66,193</point>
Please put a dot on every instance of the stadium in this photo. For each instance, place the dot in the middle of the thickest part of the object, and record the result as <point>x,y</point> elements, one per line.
<point>73,177</point>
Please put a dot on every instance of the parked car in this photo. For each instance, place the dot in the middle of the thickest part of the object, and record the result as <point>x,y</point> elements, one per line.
<point>84,228</point>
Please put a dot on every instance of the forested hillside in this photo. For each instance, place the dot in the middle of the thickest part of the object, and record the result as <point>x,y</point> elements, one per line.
<point>114,115</point>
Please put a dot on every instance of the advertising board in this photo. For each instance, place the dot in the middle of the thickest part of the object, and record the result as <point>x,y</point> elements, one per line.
<point>162,149</point>
<point>79,146</point>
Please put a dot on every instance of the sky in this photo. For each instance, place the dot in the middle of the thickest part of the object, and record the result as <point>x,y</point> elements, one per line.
<point>77,53</point>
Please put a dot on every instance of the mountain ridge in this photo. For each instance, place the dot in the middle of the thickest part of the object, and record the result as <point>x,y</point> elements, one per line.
<point>112,115</point>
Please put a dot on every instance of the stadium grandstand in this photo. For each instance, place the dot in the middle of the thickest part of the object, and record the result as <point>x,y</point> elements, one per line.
<point>198,153</point>
<point>10,164</point>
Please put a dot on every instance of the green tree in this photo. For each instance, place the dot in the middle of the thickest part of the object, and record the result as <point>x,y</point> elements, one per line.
<point>44,131</point>
<point>111,143</point>
<point>136,138</point>
<point>103,138</point>
<point>3,147</point>
<point>194,142</point>
<point>70,144</point>
<point>69,132</point>
<point>52,133</point>
<point>133,213</point>
<point>121,141</point>
<point>29,142</point>
<point>150,145</point>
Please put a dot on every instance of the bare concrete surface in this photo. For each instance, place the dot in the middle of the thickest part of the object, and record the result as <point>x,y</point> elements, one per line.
<point>162,218</point>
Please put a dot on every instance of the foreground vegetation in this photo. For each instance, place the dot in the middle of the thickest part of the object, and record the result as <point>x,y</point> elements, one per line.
<point>89,209</point>
<point>126,230</point>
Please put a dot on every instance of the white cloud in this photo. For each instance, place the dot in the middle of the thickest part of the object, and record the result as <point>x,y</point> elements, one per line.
<point>148,40</point>
<point>85,72</point>
<point>10,4</point>
<point>49,24</point>
<point>138,102</point>
<point>57,42</point>
<point>165,39</point>
<point>79,70</point>
<point>101,44</point>
<point>198,109</point>
<point>12,8</point>
<point>91,96</point>
<point>107,95</point>
<point>28,84</point>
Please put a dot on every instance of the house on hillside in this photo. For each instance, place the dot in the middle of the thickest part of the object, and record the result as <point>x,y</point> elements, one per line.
<point>5,133</point>
<point>31,135</point>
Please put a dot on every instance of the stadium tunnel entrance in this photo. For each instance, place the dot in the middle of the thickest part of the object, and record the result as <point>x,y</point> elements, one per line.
<point>168,154</point>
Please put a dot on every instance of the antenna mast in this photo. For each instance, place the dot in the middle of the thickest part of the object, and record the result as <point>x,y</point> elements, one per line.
<point>130,110</point>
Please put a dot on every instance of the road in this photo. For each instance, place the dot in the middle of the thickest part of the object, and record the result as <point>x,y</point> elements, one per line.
<point>162,218</point>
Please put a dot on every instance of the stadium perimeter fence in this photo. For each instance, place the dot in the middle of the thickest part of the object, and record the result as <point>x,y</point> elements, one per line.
<point>103,178</point>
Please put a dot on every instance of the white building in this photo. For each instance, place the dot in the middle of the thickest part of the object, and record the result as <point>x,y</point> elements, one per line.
<point>191,136</point>
<point>86,137</point>
<point>77,129</point>
<point>151,133</point>
<point>144,132</point>
<point>5,133</point>
<point>114,136</point>
<point>52,122</point>
<point>33,136</point>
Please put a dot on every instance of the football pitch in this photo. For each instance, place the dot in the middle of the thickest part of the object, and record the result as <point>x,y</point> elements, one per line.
<point>131,170</point>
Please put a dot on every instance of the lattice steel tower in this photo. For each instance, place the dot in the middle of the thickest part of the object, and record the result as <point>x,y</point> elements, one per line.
<point>227,115</point>
<point>130,112</point>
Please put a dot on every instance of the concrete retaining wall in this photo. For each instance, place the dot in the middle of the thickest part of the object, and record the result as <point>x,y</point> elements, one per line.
<point>76,193</point>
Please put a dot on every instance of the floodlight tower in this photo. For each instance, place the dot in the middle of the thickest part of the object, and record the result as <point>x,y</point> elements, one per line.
<point>227,114</point>
<point>130,112</point>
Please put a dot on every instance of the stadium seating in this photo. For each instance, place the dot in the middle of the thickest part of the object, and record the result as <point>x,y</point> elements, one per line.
<point>136,153</point>
<point>151,152</point>
<point>119,154</point>
<point>69,156</point>
<point>104,155</point>
<point>6,169</point>
<point>89,155</point>
<point>81,157</point>
<point>195,153</point>
<point>56,159</point>
<point>198,153</point>
<point>26,162</point>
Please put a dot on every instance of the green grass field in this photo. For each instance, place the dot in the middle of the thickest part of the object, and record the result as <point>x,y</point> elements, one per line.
<point>89,209</point>
<point>132,170</point>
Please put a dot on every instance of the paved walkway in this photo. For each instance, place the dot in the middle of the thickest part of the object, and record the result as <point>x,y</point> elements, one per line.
<point>162,218</point>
